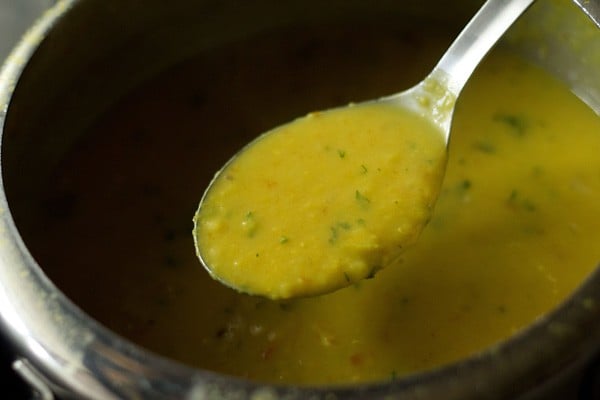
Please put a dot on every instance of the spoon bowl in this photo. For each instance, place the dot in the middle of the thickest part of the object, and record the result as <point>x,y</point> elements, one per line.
<point>331,198</point>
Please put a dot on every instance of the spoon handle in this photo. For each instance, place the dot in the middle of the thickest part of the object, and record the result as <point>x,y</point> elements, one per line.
<point>476,39</point>
<point>591,9</point>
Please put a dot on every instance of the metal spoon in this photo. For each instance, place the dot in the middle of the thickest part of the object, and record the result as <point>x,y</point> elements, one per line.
<point>436,95</point>
<point>433,99</point>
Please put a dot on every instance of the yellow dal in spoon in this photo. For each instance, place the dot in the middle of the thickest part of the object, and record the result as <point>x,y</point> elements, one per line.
<point>321,202</point>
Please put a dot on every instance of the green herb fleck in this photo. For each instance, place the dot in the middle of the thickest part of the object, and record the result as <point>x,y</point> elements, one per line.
<point>362,199</point>
<point>344,225</point>
<point>347,277</point>
<point>335,229</point>
<point>372,272</point>
<point>517,201</point>
<point>341,153</point>
<point>333,234</point>
<point>363,169</point>
<point>485,147</point>
<point>284,239</point>
<point>249,224</point>
<point>517,123</point>
<point>528,205</point>
<point>463,187</point>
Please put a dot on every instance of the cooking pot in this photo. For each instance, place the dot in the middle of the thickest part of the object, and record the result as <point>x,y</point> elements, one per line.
<point>84,54</point>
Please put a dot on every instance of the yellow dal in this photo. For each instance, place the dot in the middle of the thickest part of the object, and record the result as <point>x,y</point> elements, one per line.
<point>514,231</point>
<point>322,202</point>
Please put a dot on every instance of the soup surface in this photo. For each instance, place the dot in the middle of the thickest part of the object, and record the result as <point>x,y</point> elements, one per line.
<point>321,202</point>
<point>514,231</point>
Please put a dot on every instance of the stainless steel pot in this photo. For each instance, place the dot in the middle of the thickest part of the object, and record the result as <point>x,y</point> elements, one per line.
<point>83,54</point>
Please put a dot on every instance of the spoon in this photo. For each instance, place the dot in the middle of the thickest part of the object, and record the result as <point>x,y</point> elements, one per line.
<point>331,198</point>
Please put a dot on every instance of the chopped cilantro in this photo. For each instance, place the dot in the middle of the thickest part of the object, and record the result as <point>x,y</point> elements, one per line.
<point>333,234</point>
<point>347,277</point>
<point>372,272</point>
<point>362,199</point>
<point>485,147</point>
<point>517,201</point>
<point>344,225</point>
<point>518,124</point>
<point>463,187</point>
<point>335,229</point>
<point>249,224</point>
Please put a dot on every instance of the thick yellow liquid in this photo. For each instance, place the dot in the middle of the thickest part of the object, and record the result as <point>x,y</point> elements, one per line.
<point>514,231</point>
<point>322,202</point>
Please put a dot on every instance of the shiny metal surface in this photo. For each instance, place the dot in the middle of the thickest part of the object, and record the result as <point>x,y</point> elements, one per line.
<point>81,358</point>
<point>591,8</point>
<point>15,17</point>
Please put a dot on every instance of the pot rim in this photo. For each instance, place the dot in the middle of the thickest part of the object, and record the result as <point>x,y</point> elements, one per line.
<point>77,354</point>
